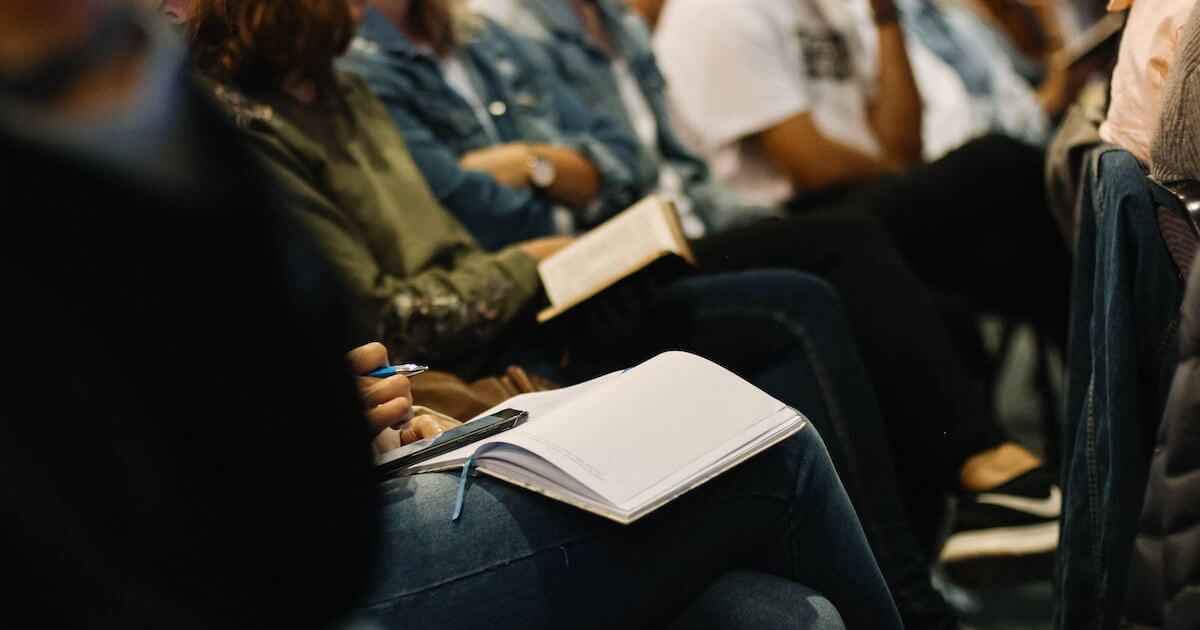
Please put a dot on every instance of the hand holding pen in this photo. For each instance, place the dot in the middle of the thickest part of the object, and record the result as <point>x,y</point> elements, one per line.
<point>385,389</point>
<point>408,370</point>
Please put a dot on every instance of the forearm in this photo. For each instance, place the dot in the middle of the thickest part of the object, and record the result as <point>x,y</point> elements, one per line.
<point>813,161</point>
<point>896,112</point>
<point>440,314</point>
<point>577,182</point>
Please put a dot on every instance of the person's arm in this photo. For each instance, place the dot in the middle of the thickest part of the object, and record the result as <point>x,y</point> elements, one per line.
<point>435,314</point>
<point>577,182</point>
<point>388,401</point>
<point>607,144</point>
<point>593,152</point>
<point>796,148</point>
<point>732,80</point>
<point>495,214</point>
<point>896,111</point>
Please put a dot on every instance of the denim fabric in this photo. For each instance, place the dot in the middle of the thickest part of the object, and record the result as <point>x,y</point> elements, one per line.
<point>564,45</point>
<point>753,600</point>
<point>925,21</point>
<point>982,57</point>
<point>526,104</point>
<point>786,332</point>
<point>518,560</point>
<point>1121,353</point>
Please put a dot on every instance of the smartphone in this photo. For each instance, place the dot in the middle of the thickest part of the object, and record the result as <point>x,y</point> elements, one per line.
<point>461,435</point>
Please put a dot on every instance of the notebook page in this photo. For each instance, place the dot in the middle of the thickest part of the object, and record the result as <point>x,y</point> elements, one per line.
<point>538,404</point>
<point>667,414</point>
<point>784,421</point>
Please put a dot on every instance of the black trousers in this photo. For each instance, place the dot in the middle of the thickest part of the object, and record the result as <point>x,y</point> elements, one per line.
<point>974,225</point>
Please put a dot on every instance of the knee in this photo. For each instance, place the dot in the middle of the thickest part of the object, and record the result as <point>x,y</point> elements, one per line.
<point>801,297</point>
<point>794,287</point>
<point>752,599</point>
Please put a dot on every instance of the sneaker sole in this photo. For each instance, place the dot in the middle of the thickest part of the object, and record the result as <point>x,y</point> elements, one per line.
<point>1003,556</point>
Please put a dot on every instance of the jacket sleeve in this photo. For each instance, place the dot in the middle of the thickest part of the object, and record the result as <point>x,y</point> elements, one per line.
<point>496,215</point>
<point>434,315</point>
<point>608,143</point>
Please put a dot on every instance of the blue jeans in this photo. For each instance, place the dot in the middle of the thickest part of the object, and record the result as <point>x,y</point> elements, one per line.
<point>787,333</point>
<point>517,560</point>
<point>1121,353</point>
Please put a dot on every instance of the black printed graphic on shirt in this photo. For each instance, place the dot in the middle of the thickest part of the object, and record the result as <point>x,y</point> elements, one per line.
<point>826,55</point>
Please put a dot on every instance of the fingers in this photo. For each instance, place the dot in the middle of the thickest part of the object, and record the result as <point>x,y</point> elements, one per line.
<point>363,359</point>
<point>393,413</point>
<point>376,391</point>
<point>388,400</point>
<point>424,427</point>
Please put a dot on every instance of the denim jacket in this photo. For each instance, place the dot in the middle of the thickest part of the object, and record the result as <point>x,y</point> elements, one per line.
<point>566,46</point>
<point>526,104</point>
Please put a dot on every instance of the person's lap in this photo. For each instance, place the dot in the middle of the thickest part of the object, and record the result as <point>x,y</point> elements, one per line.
<point>976,223</point>
<point>786,332</point>
<point>515,559</point>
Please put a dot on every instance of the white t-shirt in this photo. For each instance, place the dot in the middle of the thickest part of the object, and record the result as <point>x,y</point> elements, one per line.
<point>737,67</point>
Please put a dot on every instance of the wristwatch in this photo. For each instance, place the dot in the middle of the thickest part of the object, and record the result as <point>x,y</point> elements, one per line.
<point>542,172</point>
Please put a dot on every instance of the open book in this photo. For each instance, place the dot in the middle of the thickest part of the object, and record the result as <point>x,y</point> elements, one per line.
<point>644,233</point>
<point>625,444</point>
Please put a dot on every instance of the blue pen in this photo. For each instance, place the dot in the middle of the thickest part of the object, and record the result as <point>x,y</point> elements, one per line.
<point>407,369</point>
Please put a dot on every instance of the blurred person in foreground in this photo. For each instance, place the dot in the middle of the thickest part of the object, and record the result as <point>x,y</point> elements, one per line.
<point>181,443</point>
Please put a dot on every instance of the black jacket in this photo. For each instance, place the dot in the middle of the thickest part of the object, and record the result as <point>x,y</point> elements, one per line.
<point>180,443</point>
<point>1164,581</point>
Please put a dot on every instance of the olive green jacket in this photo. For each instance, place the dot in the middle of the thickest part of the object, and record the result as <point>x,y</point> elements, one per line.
<point>419,280</point>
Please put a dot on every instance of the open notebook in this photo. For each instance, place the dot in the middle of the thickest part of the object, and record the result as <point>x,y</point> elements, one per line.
<point>625,444</point>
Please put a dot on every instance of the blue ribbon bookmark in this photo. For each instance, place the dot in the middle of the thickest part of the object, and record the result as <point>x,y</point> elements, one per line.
<point>462,486</point>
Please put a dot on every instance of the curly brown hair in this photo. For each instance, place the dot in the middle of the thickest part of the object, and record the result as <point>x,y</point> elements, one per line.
<point>440,21</point>
<point>263,44</point>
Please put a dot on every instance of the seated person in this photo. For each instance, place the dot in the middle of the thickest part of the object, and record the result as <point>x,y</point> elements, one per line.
<point>586,165</point>
<point>900,333</point>
<point>210,470</point>
<point>601,51</point>
<point>805,114</point>
<point>971,87</point>
<point>181,445</point>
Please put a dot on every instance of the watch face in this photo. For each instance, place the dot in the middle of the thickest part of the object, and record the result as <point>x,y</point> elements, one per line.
<point>542,174</point>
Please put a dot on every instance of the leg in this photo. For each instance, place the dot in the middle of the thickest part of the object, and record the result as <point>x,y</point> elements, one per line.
<point>975,223</point>
<point>515,559</point>
<point>786,332</point>
<point>922,385</point>
<point>752,600</point>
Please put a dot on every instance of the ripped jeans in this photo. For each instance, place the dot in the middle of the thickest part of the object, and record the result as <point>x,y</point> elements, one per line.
<point>786,332</point>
